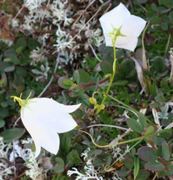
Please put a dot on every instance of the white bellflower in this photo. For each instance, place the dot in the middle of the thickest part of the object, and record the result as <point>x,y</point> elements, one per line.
<point>129,27</point>
<point>44,118</point>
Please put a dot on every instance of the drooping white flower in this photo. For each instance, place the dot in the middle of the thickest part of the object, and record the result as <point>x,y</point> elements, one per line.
<point>44,118</point>
<point>130,27</point>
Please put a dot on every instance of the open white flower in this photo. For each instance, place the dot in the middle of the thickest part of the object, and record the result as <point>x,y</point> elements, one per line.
<point>44,118</point>
<point>130,27</point>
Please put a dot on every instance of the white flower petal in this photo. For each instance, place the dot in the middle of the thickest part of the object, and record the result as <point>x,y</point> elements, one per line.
<point>133,26</point>
<point>43,118</point>
<point>65,123</point>
<point>108,40</point>
<point>45,139</point>
<point>128,43</point>
<point>42,133</point>
<point>114,18</point>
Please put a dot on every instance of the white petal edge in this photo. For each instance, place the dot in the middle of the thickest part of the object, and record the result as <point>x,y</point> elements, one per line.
<point>37,149</point>
<point>49,102</point>
<point>128,43</point>
<point>69,108</point>
<point>65,124</point>
<point>133,26</point>
<point>42,134</point>
<point>49,141</point>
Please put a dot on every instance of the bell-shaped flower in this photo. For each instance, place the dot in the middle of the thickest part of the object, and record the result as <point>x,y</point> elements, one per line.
<point>119,22</point>
<point>44,118</point>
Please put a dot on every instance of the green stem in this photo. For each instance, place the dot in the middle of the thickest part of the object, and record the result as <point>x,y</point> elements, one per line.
<point>110,145</point>
<point>112,75</point>
<point>113,35</point>
<point>131,140</point>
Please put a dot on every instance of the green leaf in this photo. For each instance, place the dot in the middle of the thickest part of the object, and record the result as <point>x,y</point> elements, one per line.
<point>3,80</point>
<point>165,151</point>
<point>4,65</point>
<point>59,166</point>
<point>136,167</point>
<point>20,45</point>
<point>65,83</point>
<point>143,119</point>
<point>158,65</point>
<point>106,53</point>
<point>60,177</point>
<point>166,133</point>
<point>2,123</point>
<point>10,56</point>
<point>143,175</point>
<point>106,67</point>
<point>81,76</point>
<point>146,153</point>
<point>135,125</point>
<point>90,63</point>
<point>126,70</point>
<point>168,172</point>
<point>10,135</point>
<point>9,69</point>
<point>167,3</point>
<point>142,1</point>
<point>68,83</point>
<point>154,166</point>
<point>32,43</point>
<point>66,143</point>
<point>73,158</point>
<point>149,132</point>
<point>4,112</point>
<point>158,140</point>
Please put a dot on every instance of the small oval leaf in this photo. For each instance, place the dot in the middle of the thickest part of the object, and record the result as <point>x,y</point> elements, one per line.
<point>146,154</point>
<point>165,151</point>
<point>10,135</point>
<point>154,166</point>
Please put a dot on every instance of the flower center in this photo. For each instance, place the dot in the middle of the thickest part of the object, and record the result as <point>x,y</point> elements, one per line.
<point>115,34</point>
<point>22,102</point>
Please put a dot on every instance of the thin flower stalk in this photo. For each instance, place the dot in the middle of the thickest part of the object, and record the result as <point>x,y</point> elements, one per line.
<point>113,143</point>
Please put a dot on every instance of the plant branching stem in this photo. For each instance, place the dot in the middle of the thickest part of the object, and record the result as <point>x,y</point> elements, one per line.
<point>110,145</point>
<point>131,140</point>
<point>112,76</point>
<point>108,125</point>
